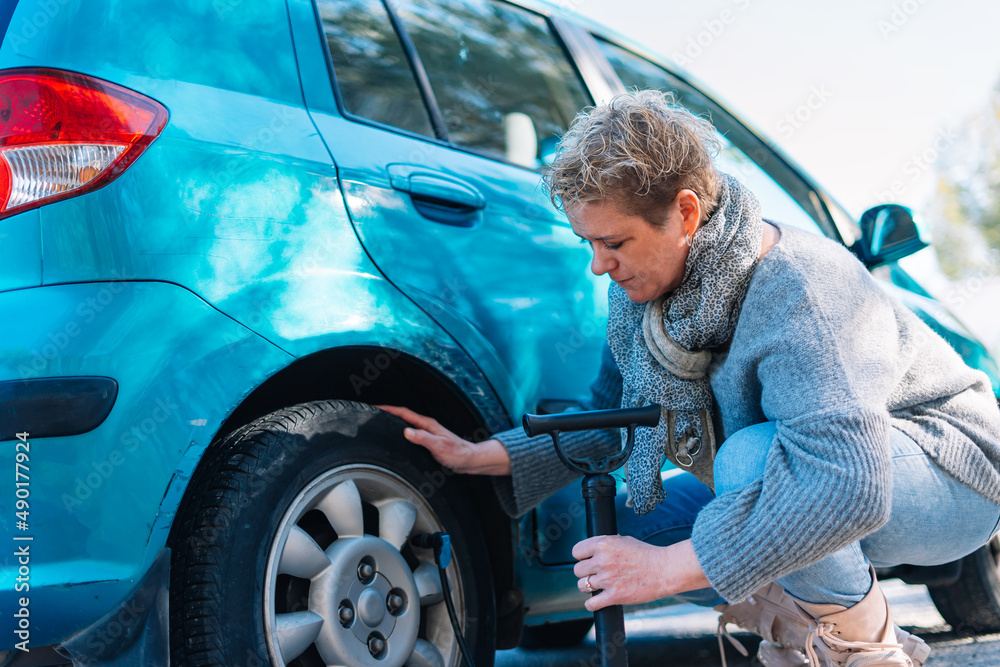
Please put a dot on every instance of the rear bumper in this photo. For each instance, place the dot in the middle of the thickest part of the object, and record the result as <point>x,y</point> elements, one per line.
<point>120,387</point>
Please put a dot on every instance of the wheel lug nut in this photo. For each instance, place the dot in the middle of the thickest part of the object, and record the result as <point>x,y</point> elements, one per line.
<point>365,572</point>
<point>376,645</point>
<point>394,603</point>
<point>346,615</point>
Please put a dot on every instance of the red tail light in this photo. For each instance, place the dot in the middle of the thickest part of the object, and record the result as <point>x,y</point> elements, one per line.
<point>63,134</point>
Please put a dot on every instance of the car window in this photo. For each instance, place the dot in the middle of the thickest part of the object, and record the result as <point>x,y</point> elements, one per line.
<point>738,144</point>
<point>502,80</point>
<point>775,203</point>
<point>373,73</point>
<point>6,12</point>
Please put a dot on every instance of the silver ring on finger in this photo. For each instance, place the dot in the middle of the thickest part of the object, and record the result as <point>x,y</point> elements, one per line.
<point>590,589</point>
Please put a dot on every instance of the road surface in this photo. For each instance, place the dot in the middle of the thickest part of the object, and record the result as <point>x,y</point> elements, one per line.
<point>684,636</point>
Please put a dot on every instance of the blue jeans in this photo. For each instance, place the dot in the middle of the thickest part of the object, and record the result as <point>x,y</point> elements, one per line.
<point>935,519</point>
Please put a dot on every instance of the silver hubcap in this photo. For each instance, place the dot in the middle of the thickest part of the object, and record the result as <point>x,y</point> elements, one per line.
<point>360,599</point>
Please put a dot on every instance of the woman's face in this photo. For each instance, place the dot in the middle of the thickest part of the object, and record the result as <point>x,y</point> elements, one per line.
<point>645,260</point>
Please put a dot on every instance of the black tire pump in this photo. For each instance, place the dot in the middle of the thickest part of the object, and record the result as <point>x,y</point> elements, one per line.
<point>599,496</point>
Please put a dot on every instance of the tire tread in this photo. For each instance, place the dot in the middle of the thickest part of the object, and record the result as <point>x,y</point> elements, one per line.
<point>972,604</point>
<point>209,509</point>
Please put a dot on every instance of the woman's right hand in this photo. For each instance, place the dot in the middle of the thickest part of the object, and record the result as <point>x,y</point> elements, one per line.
<point>473,458</point>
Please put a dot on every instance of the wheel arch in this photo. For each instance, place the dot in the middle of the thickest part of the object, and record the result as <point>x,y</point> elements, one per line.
<point>364,373</point>
<point>383,375</point>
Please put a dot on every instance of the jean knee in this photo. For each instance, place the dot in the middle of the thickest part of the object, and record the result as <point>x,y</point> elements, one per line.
<point>684,496</point>
<point>742,457</point>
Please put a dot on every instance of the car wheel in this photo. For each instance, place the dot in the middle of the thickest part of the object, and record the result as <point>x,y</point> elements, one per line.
<point>972,604</point>
<point>293,548</point>
<point>556,635</point>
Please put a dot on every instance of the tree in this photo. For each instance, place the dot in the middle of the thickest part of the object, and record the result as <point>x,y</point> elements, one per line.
<point>965,212</point>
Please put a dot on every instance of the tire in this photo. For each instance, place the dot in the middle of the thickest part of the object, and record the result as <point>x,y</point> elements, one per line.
<point>556,635</point>
<point>972,604</point>
<point>280,532</point>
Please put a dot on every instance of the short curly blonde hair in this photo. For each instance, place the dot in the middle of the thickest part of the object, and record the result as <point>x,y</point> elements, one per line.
<point>638,150</point>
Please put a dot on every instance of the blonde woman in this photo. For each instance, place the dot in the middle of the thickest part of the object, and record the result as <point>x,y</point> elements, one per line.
<point>851,434</point>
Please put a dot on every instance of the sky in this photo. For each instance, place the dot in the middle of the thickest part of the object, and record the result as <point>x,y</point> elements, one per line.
<point>863,94</point>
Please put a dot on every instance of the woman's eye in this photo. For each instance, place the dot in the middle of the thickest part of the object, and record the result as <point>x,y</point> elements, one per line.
<point>608,246</point>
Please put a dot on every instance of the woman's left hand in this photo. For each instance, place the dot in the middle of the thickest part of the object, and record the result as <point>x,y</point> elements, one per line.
<point>629,571</point>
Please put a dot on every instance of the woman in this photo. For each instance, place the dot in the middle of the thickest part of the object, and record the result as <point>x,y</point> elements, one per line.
<point>852,435</point>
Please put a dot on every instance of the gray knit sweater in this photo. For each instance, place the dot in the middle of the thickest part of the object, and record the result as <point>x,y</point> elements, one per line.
<point>824,352</point>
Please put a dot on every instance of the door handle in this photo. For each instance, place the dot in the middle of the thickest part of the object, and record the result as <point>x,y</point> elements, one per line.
<point>435,187</point>
<point>437,196</point>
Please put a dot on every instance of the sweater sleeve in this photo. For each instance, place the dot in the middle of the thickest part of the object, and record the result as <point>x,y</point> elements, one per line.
<point>536,471</point>
<point>823,349</point>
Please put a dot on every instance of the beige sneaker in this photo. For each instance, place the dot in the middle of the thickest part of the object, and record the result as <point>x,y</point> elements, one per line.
<point>785,626</point>
<point>854,636</point>
<point>776,655</point>
<point>771,613</point>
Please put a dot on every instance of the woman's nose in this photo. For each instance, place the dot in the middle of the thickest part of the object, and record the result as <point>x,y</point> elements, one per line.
<point>602,262</point>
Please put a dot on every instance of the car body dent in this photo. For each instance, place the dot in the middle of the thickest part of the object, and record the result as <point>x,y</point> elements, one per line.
<point>255,224</point>
<point>178,384</point>
<point>175,387</point>
<point>526,349</point>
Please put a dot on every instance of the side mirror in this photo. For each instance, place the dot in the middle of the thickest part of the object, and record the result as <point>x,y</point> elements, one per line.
<point>888,233</point>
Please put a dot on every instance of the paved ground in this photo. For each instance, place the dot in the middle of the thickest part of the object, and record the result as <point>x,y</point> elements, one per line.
<point>683,636</point>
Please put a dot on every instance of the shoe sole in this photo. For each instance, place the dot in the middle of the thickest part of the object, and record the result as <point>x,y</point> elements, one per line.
<point>913,646</point>
<point>771,655</point>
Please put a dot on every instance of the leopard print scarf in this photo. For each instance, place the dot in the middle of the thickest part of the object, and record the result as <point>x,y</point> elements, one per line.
<point>662,346</point>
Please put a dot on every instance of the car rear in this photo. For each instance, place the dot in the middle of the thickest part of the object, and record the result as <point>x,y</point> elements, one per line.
<point>131,134</point>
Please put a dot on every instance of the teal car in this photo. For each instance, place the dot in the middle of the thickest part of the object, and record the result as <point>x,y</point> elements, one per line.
<point>229,230</point>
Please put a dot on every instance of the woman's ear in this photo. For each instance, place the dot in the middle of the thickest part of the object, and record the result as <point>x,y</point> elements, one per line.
<point>689,206</point>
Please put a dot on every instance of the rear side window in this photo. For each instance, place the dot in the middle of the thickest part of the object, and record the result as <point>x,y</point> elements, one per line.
<point>373,72</point>
<point>635,71</point>
<point>6,12</point>
<point>501,78</point>
<point>783,195</point>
